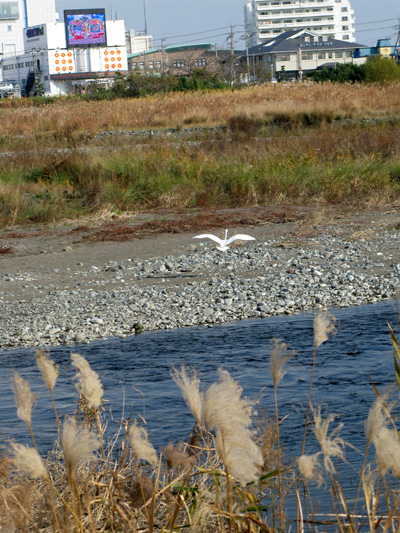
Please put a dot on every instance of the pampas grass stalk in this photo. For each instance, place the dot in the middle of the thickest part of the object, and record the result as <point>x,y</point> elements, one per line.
<point>24,399</point>
<point>278,358</point>
<point>324,324</point>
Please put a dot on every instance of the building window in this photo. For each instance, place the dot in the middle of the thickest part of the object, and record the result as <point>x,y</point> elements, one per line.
<point>345,28</point>
<point>9,28</point>
<point>345,19</point>
<point>141,65</point>
<point>346,37</point>
<point>344,10</point>
<point>134,65</point>
<point>307,56</point>
<point>158,64</point>
<point>178,63</point>
<point>330,55</point>
<point>151,65</point>
<point>321,55</point>
<point>349,54</point>
<point>338,54</point>
<point>199,62</point>
<point>9,10</point>
<point>283,57</point>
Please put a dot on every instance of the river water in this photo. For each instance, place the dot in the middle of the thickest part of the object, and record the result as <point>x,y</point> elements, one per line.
<point>135,373</point>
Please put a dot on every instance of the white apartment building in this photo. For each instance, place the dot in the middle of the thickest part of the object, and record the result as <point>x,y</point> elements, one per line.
<point>17,15</point>
<point>265,19</point>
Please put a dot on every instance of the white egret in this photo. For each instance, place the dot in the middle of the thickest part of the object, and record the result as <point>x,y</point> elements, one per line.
<point>223,243</point>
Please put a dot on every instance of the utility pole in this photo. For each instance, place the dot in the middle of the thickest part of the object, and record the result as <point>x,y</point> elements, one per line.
<point>396,53</point>
<point>163,53</point>
<point>246,39</point>
<point>232,39</point>
<point>300,64</point>
<point>145,17</point>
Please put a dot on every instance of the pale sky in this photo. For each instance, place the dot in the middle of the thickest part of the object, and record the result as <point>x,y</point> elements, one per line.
<point>186,21</point>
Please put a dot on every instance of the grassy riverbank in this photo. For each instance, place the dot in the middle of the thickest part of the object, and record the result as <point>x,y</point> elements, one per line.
<point>303,144</point>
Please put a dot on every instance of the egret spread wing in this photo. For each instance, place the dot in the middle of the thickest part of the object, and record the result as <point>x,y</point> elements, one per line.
<point>210,236</point>
<point>240,237</point>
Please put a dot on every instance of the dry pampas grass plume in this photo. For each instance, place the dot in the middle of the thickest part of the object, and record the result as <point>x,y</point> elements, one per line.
<point>277,360</point>
<point>189,383</point>
<point>48,369</point>
<point>324,325</point>
<point>24,398</point>
<point>387,451</point>
<point>141,447</point>
<point>377,419</point>
<point>310,468</point>
<point>229,415</point>
<point>89,384</point>
<point>331,445</point>
<point>176,457</point>
<point>79,444</point>
<point>385,440</point>
<point>28,460</point>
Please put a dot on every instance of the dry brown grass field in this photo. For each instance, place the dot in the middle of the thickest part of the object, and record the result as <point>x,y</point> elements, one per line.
<point>279,143</point>
<point>200,108</point>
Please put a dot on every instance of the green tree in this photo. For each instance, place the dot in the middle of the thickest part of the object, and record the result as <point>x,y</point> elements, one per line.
<point>39,89</point>
<point>382,70</point>
<point>341,73</point>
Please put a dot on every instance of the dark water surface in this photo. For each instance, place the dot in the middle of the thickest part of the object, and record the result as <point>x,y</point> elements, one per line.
<point>136,372</point>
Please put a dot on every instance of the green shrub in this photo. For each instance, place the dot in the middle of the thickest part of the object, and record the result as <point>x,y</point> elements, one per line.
<point>347,72</point>
<point>382,70</point>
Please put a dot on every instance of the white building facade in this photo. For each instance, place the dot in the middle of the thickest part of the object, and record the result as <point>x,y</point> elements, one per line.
<point>17,15</point>
<point>63,70</point>
<point>137,42</point>
<point>265,19</point>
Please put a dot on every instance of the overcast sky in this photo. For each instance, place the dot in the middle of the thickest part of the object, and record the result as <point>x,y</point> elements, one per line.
<point>184,21</point>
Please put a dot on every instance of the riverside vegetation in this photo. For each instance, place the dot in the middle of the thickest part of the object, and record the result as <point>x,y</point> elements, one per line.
<point>230,475</point>
<point>307,143</point>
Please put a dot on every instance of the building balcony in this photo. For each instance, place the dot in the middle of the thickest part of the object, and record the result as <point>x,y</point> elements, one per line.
<point>285,13</point>
<point>296,24</point>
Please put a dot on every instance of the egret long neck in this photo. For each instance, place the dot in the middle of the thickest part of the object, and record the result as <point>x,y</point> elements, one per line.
<point>226,234</point>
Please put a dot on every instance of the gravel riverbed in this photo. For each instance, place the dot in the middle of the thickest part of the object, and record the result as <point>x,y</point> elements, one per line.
<point>100,296</point>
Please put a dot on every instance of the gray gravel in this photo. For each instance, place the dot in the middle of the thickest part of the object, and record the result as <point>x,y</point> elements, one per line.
<point>202,286</point>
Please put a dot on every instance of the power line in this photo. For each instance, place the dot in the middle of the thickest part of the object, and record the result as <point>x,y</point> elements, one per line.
<point>197,33</point>
<point>377,29</point>
<point>198,40</point>
<point>372,22</point>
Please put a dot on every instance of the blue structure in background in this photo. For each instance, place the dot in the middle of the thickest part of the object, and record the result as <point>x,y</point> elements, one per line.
<point>383,48</point>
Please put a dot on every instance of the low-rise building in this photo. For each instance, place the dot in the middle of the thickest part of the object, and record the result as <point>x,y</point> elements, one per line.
<point>177,60</point>
<point>293,53</point>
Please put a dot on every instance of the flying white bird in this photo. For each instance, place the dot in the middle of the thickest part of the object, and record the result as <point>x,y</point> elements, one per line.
<point>223,243</point>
